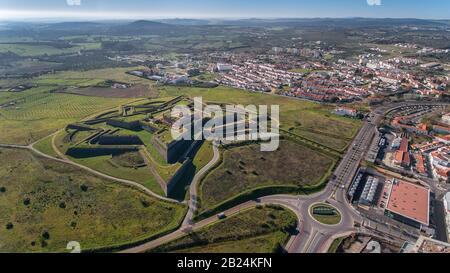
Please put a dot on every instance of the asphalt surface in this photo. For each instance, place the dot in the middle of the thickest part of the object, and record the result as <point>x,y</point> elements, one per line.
<point>311,236</point>
<point>193,187</point>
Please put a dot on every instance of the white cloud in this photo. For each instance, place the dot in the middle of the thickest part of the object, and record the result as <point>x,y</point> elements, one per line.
<point>73,2</point>
<point>374,2</point>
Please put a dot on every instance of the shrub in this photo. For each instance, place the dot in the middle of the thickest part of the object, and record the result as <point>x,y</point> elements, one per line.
<point>9,226</point>
<point>2,189</point>
<point>145,203</point>
<point>27,201</point>
<point>84,188</point>
<point>46,235</point>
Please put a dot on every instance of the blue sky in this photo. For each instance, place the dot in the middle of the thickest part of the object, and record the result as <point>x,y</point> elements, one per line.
<point>142,9</point>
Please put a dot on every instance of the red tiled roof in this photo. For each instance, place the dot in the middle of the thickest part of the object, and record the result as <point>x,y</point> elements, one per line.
<point>420,163</point>
<point>404,145</point>
<point>410,201</point>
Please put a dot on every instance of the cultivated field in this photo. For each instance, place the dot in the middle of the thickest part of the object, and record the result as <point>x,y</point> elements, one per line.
<point>45,204</point>
<point>258,230</point>
<point>246,168</point>
<point>117,74</point>
<point>25,49</point>
<point>138,91</point>
<point>38,112</point>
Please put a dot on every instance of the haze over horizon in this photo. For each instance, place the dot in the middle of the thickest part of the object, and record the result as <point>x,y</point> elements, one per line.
<point>16,10</point>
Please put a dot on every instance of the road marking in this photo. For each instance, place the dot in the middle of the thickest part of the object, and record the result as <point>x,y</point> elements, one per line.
<point>310,239</point>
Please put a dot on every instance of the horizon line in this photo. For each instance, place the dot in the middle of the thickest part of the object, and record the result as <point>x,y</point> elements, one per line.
<point>93,18</point>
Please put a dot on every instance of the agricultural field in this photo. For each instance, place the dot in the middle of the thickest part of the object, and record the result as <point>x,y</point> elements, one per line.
<point>31,50</point>
<point>138,91</point>
<point>45,204</point>
<point>117,74</point>
<point>297,116</point>
<point>27,66</point>
<point>37,112</point>
<point>258,230</point>
<point>246,168</point>
<point>57,106</point>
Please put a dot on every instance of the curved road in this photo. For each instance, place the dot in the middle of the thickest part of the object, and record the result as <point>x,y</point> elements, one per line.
<point>193,187</point>
<point>312,237</point>
<point>63,159</point>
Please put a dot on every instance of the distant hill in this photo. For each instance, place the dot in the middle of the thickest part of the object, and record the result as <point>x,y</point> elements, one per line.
<point>188,22</point>
<point>198,26</point>
<point>75,26</point>
<point>334,22</point>
<point>146,27</point>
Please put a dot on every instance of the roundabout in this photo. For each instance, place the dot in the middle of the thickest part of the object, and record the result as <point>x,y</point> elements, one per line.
<point>325,214</point>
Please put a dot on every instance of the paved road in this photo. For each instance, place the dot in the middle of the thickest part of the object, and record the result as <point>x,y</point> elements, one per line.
<point>312,237</point>
<point>276,200</point>
<point>64,160</point>
<point>193,187</point>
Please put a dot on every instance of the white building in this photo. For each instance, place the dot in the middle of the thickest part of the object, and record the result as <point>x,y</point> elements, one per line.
<point>446,119</point>
<point>224,67</point>
<point>344,111</point>
<point>447,212</point>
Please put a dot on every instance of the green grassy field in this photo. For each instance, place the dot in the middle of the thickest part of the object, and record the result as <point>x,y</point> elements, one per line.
<point>105,165</point>
<point>37,112</point>
<point>326,219</point>
<point>117,74</point>
<point>45,204</point>
<point>295,115</point>
<point>335,245</point>
<point>164,169</point>
<point>247,168</point>
<point>39,50</point>
<point>57,106</point>
<point>310,120</point>
<point>203,156</point>
<point>45,146</point>
<point>258,230</point>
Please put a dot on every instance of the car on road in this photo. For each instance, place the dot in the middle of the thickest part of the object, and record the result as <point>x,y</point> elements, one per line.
<point>221,216</point>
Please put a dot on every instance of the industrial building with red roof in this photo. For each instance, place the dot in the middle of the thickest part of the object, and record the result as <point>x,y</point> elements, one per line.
<point>411,202</point>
